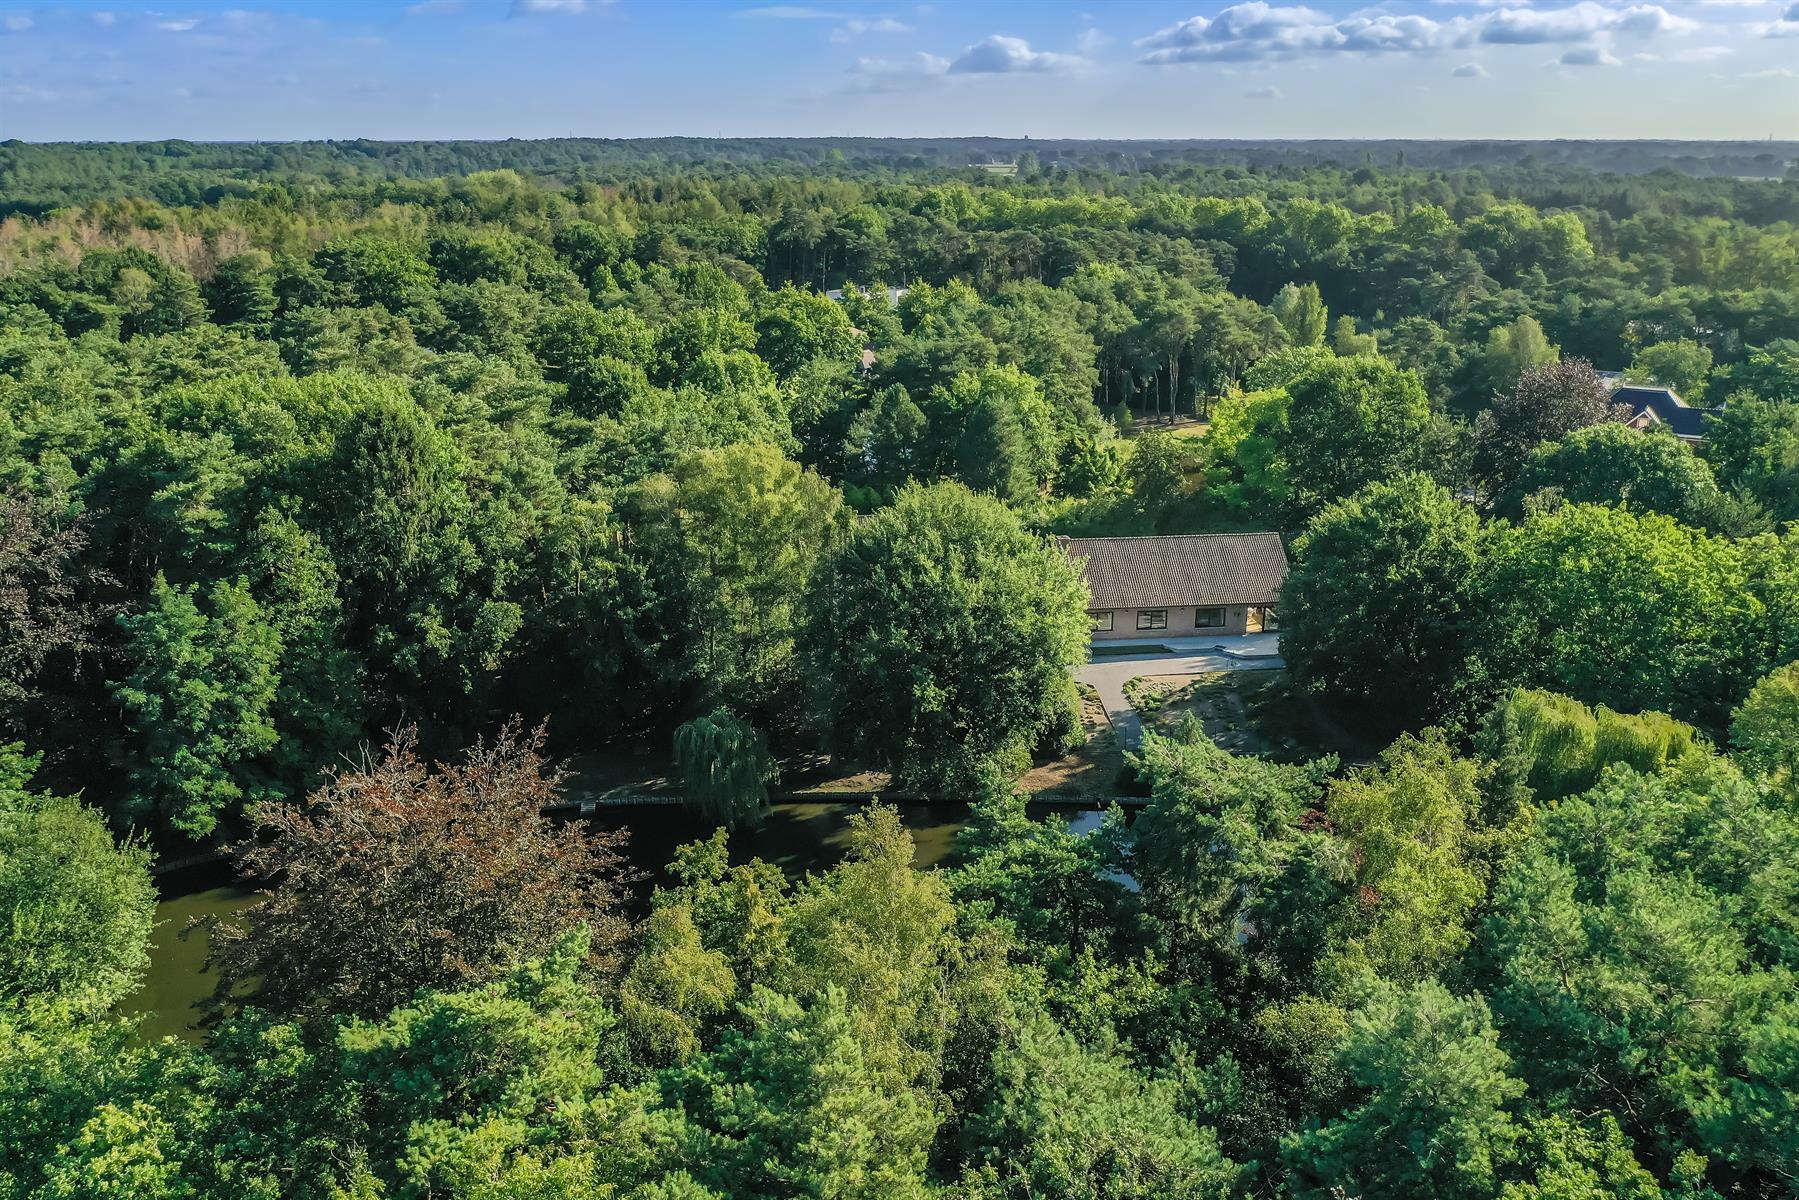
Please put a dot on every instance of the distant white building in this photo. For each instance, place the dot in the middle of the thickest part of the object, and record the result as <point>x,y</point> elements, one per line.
<point>893,294</point>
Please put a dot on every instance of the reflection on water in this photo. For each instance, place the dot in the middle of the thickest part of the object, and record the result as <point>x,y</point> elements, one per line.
<point>795,837</point>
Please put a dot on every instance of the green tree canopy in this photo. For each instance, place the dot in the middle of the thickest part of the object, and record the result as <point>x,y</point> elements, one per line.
<point>1764,730</point>
<point>198,698</point>
<point>1071,1120</point>
<point>1681,365</point>
<point>1634,612</point>
<point>1350,423</point>
<point>1436,1119</point>
<point>725,769</point>
<point>75,907</point>
<point>941,638</point>
<point>1614,464</point>
<point>1381,611</point>
<point>1301,312</point>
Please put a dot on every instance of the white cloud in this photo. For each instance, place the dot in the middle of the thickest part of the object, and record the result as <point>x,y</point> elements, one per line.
<point>17,24</point>
<point>1700,54</point>
<point>1786,26</point>
<point>1091,40</point>
<point>178,25</point>
<point>857,26</point>
<point>1256,31</point>
<point>1470,71</point>
<point>1579,23</point>
<point>852,26</point>
<point>425,8</point>
<point>104,20</point>
<point>1000,55</point>
<point>242,19</point>
<point>539,8</point>
<point>887,75</point>
<point>1263,93</point>
<point>1588,56</point>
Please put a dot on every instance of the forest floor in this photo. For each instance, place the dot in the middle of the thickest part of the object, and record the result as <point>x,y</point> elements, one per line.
<point>620,775</point>
<point>1182,426</point>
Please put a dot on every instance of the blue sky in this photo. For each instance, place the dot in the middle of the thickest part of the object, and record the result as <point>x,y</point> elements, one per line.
<point>624,68</point>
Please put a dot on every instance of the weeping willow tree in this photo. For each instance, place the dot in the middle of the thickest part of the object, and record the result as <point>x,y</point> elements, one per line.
<point>1569,744</point>
<point>726,766</point>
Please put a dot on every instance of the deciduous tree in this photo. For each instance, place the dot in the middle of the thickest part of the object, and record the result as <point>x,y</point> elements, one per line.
<point>1764,730</point>
<point>198,696</point>
<point>1614,464</point>
<point>1350,423</point>
<point>1381,611</point>
<point>397,876</point>
<point>1681,365</point>
<point>1548,402</point>
<point>941,636</point>
<point>725,769</point>
<point>75,906</point>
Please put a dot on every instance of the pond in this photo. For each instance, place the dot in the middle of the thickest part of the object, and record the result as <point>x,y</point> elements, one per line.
<point>797,837</point>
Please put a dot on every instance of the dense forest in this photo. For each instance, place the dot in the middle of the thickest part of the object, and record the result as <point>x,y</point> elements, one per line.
<point>347,489</point>
<point>36,178</point>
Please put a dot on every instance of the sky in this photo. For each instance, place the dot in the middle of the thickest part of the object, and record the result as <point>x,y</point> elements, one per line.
<point>1039,68</point>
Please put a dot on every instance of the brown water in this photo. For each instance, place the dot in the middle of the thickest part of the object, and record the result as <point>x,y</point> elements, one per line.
<point>795,837</point>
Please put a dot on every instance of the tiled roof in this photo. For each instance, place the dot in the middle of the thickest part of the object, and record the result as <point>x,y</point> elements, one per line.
<point>1663,408</point>
<point>1199,568</point>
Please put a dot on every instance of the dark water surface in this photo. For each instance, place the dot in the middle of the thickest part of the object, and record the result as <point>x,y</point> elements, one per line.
<point>797,837</point>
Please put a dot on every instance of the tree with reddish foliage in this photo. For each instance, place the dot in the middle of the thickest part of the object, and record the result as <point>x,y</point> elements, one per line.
<point>44,604</point>
<point>397,876</point>
<point>1548,403</point>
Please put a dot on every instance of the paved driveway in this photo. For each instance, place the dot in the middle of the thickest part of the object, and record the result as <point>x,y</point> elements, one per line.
<point>1179,656</point>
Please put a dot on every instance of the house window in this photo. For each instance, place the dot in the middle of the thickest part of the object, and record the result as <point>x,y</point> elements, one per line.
<point>1102,622</point>
<point>1152,618</point>
<point>1208,618</point>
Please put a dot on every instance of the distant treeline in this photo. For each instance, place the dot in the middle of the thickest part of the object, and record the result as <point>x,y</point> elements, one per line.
<point>35,178</point>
